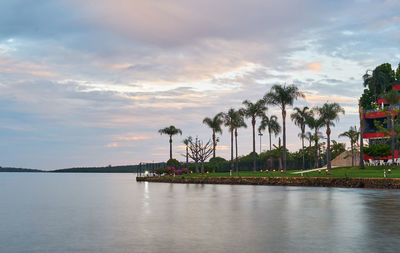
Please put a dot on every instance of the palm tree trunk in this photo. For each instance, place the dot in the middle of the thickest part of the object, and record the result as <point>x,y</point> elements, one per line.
<point>392,137</point>
<point>302,145</point>
<point>232,150</point>
<point>270,141</point>
<point>284,137</point>
<point>328,149</point>
<point>170,147</point>
<point>236,148</point>
<point>309,152</point>
<point>352,154</point>
<point>361,113</point>
<point>253,122</point>
<point>316,148</point>
<point>280,156</point>
<point>270,147</point>
<point>214,143</point>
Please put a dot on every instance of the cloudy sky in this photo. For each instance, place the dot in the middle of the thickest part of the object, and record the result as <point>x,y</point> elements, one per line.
<point>89,82</point>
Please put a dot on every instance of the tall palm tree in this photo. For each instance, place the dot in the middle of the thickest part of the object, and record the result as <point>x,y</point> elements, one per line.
<point>310,137</point>
<point>238,123</point>
<point>353,135</point>
<point>253,111</point>
<point>299,117</point>
<point>229,121</point>
<point>315,123</point>
<point>171,131</point>
<point>392,98</point>
<point>283,96</point>
<point>215,124</point>
<point>329,112</point>
<point>186,142</point>
<point>272,125</point>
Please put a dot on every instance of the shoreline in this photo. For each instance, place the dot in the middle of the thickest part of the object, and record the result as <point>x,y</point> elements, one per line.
<point>371,183</point>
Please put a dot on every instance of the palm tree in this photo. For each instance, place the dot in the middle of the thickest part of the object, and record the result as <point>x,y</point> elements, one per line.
<point>229,121</point>
<point>272,126</point>
<point>283,96</point>
<point>299,118</point>
<point>238,123</point>
<point>215,124</point>
<point>315,124</point>
<point>186,142</point>
<point>233,120</point>
<point>353,135</point>
<point>329,112</point>
<point>254,110</point>
<point>171,131</point>
<point>310,137</point>
<point>392,98</point>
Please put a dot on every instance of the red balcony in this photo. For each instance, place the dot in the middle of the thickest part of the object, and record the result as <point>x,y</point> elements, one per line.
<point>370,115</point>
<point>376,135</point>
<point>373,135</point>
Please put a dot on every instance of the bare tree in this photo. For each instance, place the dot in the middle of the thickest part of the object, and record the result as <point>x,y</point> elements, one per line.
<point>200,152</point>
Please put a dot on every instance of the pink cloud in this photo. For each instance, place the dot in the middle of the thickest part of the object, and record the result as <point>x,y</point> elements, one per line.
<point>133,138</point>
<point>112,145</point>
<point>314,66</point>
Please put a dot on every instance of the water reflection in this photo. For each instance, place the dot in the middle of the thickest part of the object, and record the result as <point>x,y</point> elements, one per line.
<point>113,213</point>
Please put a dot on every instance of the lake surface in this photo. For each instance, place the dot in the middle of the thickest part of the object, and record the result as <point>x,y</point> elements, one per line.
<point>43,212</point>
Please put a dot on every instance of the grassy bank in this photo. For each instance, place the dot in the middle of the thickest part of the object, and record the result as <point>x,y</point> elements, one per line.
<point>348,177</point>
<point>342,172</point>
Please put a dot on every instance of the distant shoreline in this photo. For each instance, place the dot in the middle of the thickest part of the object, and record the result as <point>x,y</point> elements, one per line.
<point>108,169</point>
<point>372,183</point>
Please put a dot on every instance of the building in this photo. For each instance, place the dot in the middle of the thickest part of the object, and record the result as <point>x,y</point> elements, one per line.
<point>380,117</point>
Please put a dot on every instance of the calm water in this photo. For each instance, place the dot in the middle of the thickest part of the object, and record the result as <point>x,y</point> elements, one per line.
<point>113,213</point>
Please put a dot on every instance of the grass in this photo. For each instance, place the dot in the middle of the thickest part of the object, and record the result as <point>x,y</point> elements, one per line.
<point>343,172</point>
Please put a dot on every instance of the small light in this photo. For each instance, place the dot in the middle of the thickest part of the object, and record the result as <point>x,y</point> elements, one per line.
<point>260,170</point>
<point>146,173</point>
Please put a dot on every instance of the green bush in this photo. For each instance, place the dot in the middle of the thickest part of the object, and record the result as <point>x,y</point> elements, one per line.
<point>377,151</point>
<point>217,163</point>
<point>174,163</point>
<point>159,171</point>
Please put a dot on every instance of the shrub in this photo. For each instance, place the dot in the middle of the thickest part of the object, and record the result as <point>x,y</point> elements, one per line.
<point>170,170</point>
<point>185,171</point>
<point>173,163</point>
<point>377,151</point>
<point>217,163</point>
<point>178,172</point>
<point>159,171</point>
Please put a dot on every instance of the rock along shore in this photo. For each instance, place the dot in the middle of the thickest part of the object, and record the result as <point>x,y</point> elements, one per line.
<point>377,183</point>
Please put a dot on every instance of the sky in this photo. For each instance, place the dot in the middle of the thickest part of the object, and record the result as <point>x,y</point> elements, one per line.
<point>90,82</point>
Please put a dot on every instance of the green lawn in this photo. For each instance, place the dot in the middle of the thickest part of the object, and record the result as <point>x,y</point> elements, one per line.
<point>371,172</point>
